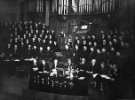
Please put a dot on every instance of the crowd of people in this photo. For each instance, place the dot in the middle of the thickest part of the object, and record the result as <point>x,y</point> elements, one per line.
<point>103,49</point>
<point>96,53</point>
<point>29,39</point>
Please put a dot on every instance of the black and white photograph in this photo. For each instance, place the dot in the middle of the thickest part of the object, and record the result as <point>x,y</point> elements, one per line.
<point>67,49</point>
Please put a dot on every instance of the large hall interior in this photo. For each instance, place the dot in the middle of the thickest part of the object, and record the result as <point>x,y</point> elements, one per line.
<point>67,49</point>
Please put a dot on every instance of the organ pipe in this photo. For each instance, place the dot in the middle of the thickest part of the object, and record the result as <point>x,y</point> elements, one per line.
<point>63,7</point>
